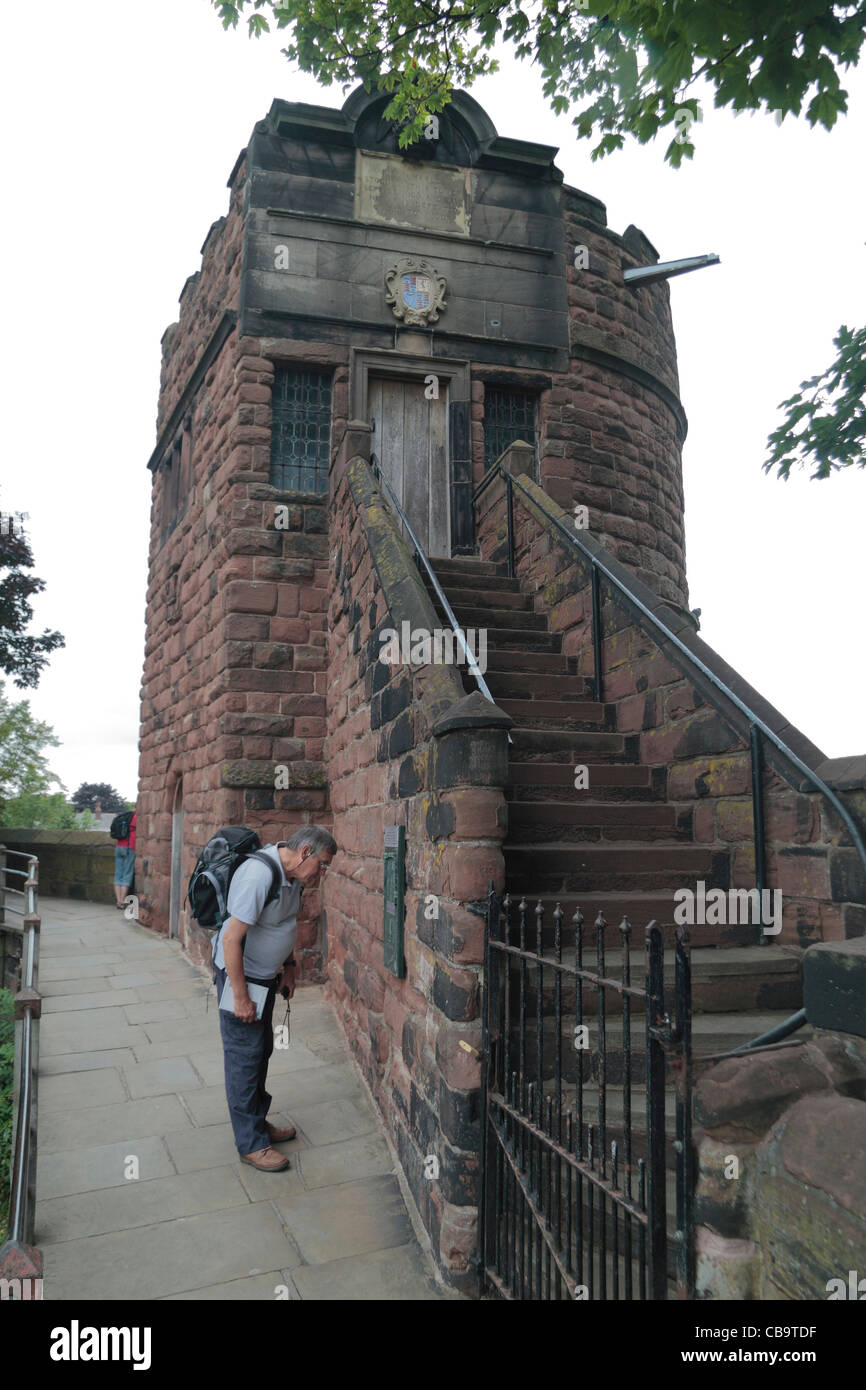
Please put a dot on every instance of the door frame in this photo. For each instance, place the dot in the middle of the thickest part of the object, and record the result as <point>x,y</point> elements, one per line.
<point>455,372</point>
<point>175,890</point>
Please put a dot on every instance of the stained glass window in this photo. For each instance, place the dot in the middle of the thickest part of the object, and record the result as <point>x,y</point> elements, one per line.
<point>301,430</point>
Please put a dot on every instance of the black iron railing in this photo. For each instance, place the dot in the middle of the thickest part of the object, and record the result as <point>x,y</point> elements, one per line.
<point>20,899</point>
<point>570,1208</point>
<point>759,731</point>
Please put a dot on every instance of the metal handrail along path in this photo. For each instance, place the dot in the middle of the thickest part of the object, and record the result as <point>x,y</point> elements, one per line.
<point>28,1003</point>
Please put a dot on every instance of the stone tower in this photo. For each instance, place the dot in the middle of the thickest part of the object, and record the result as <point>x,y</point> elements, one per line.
<point>362,317</point>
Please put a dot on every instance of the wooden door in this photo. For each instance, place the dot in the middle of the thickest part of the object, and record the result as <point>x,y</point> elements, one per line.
<point>410,443</point>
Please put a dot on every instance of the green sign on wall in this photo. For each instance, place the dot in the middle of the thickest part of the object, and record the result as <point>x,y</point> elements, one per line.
<point>395,885</point>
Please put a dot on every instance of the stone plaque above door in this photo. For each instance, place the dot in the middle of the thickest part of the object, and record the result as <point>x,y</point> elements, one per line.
<point>399,193</point>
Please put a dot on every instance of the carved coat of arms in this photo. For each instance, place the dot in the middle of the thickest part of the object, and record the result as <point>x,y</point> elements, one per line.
<point>415,291</point>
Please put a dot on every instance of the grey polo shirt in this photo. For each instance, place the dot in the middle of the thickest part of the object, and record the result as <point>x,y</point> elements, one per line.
<point>271,937</point>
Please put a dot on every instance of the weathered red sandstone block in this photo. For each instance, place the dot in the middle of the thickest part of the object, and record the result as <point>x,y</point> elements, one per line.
<point>284,571</point>
<point>301,703</point>
<point>704,732</point>
<point>241,597</point>
<point>799,872</point>
<point>461,1069</point>
<point>476,813</point>
<point>704,823</point>
<point>252,542</point>
<point>245,627</point>
<point>789,818</point>
<point>719,776</point>
<point>288,749</point>
<point>313,600</point>
<point>735,821</point>
<point>310,728</point>
<point>272,655</point>
<point>258,680</point>
<point>465,872</point>
<point>287,609</point>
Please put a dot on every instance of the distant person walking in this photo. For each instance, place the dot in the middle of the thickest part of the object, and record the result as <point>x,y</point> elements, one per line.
<point>124,861</point>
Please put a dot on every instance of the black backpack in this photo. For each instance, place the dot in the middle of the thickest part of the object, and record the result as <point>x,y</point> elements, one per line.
<point>119,828</point>
<point>222,856</point>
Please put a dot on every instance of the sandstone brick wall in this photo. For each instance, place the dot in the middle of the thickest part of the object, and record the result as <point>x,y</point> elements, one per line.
<point>234,676</point>
<point>387,767</point>
<point>678,727</point>
<point>611,431</point>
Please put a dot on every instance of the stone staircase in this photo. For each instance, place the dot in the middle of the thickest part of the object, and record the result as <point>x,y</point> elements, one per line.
<point>616,847</point>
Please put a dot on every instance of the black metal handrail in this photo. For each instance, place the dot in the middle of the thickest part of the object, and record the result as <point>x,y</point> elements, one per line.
<point>757,728</point>
<point>420,554</point>
<point>28,1001</point>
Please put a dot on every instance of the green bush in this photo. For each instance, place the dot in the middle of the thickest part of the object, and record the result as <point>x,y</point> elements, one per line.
<point>7,1056</point>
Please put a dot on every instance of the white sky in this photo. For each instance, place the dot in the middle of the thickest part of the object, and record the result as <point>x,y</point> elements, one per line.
<point>122,123</point>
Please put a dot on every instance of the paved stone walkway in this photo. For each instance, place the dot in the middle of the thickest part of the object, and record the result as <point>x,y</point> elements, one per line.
<point>131,1069</point>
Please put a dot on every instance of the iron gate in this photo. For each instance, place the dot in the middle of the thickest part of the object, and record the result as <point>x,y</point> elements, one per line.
<point>575,1163</point>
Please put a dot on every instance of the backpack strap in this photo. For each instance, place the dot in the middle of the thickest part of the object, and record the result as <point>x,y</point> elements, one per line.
<point>276,877</point>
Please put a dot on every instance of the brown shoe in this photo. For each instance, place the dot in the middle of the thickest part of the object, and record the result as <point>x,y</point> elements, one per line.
<point>281,1136</point>
<point>268,1160</point>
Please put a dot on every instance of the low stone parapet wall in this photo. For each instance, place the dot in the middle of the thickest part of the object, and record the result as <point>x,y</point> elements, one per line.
<point>72,863</point>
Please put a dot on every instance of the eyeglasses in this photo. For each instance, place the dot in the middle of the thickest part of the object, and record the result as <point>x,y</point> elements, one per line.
<point>323,864</point>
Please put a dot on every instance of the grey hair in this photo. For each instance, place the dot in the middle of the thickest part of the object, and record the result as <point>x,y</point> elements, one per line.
<point>319,840</point>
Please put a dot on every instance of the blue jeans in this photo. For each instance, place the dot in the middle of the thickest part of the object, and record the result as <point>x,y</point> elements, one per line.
<point>247,1048</point>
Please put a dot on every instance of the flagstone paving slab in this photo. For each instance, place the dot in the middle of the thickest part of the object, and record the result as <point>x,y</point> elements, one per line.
<point>141,1203</point>
<point>85,1061</point>
<point>267,1288</point>
<point>394,1275</point>
<point>105,1165</point>
<point>333,1120</point>
<point>81,1090</point>
<point>113,1124</point>
<point>131,1065</point>
<point>195,1149</point>
<point>52,989</point>
<point>88,1037</point>
<point>349,1161</point>
<point>132,981</point>
<point>161,1077</point>
<point>169,1257</point>
<point>72,1003</point>
<point>333,1222</point>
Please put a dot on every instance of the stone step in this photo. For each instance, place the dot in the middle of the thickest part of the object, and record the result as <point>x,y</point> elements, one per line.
<point>558,714</point>
<point>518,619</point>
<point>483,598</point>
<point>532,686</point>
<point>529,663</point>
<point>640,906</point>
<point>735,980</point>
<point>712,1034</point>
<point>533,782</point>
<point>526,640</point>
<point>627,867</point>
<point>455,568</point>
<point>568,747</point>
<point>531,822</point>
